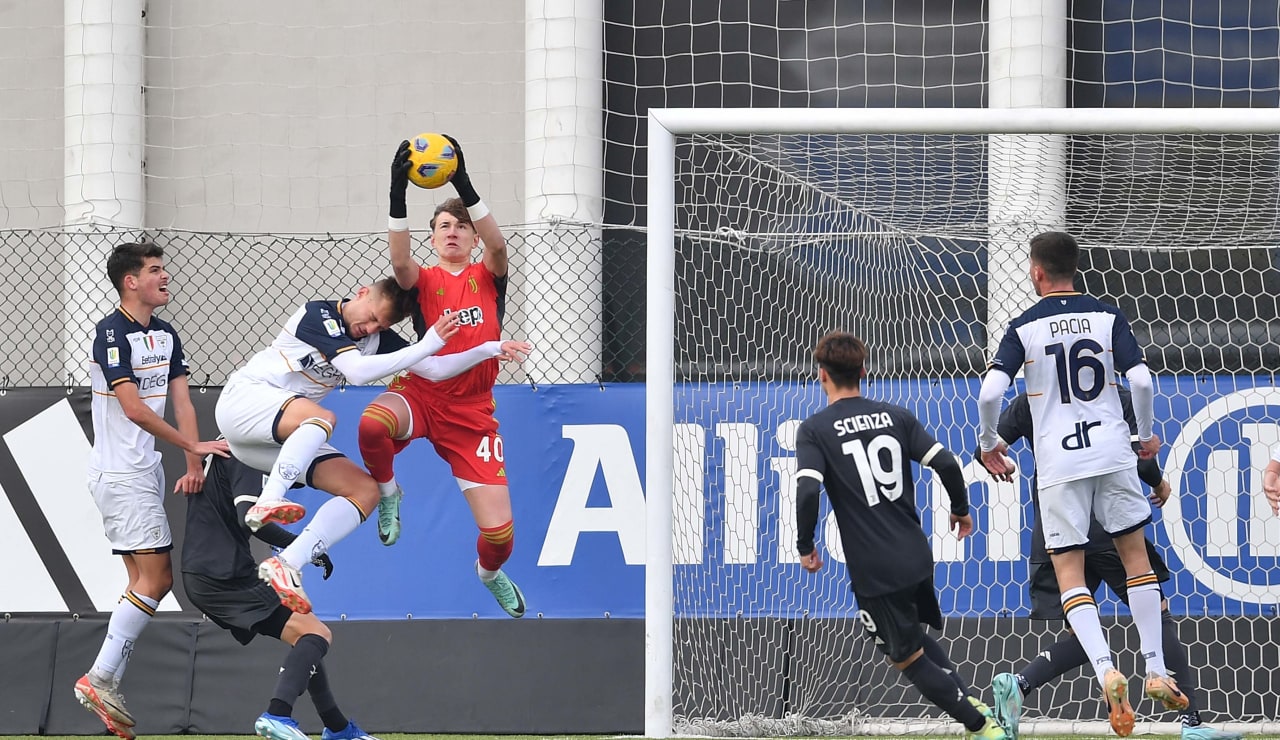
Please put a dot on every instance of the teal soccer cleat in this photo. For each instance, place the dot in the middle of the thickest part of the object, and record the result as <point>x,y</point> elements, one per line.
<point>389,517</point>
<point>1008,705</point>
<point>1205,732</point>
<point>507,593</point>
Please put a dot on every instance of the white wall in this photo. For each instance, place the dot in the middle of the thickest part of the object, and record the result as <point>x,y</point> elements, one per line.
<point>280,116</point>
<point>30,114</point>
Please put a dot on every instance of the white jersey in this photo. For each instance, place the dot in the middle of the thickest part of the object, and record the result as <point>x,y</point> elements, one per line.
<point>125,351</point>
<point>298,359</point>
<point>1071,347</point>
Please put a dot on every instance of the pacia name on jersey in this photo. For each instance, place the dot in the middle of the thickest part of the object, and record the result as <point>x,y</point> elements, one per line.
<point>862,423</point>
<point>1071,325</point>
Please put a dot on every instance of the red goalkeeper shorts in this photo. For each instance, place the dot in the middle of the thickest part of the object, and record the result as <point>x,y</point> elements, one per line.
<point>465,434</point>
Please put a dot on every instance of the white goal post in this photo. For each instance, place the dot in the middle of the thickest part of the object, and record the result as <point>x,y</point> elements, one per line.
<point>1024,158</point>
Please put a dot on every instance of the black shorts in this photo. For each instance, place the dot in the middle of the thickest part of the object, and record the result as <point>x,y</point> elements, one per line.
<point>244,606</point>
<point>894,621</point>
<point>1099,567</point>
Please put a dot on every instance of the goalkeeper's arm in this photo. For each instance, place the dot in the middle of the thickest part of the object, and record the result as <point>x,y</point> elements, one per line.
<point>399,242</point>
<point>438,368</point>
<point>486,226</point>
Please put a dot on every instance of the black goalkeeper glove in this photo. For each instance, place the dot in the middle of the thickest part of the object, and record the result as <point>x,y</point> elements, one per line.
<point>461,180</point>
<point>322,561</point>
<point>400,167</point>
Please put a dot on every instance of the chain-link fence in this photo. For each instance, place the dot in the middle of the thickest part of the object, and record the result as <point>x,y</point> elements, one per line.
<point>233,292</point>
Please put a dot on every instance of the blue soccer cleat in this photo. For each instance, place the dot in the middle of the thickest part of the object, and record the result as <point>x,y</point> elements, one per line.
<point>275,727</point>
<point>352,732</point>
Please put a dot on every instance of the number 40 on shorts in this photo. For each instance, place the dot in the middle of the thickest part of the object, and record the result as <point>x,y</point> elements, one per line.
<point>490,448</point>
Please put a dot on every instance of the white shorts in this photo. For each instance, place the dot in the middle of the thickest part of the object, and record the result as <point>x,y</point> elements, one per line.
<point>132,511</point>
<point>247,414</point>
<point>1114,499</point>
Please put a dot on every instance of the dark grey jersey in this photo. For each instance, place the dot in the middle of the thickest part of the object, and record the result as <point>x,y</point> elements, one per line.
<point>861,451</point>
<point>217,539</point>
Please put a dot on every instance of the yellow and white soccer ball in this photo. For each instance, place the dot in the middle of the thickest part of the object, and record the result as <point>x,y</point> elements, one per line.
<point>434,160</point>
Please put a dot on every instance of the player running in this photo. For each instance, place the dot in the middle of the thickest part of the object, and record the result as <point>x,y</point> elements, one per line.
<point>861,451</point>
<point>455,414</point>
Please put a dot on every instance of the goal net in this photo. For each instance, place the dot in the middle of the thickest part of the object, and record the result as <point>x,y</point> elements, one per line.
<point>910,230</point>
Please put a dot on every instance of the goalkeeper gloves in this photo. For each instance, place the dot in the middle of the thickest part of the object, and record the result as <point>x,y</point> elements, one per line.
<point>400,167</point>
<point>322,561</point>
<point>461,180</point>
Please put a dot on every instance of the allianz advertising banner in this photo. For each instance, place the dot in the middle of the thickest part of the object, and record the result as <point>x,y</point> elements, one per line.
<point>575,459</point>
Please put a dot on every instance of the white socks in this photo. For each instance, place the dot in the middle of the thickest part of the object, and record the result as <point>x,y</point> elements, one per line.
<point>296,455</point>
<point>337,518</point>
<point>1144,604</point>
<point>128,619</point>
<point>1082,615</point>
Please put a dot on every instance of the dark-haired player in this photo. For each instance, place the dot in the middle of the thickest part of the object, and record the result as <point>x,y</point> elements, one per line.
<point>1071,346</point>
<point>861,451</point>
<point>271,415</point>
<point>455,414</point>
<point>137,361</point>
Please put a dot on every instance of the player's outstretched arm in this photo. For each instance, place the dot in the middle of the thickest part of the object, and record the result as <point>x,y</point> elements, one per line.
<point>399,243</point>
<point>495,245</point>
<point>360,369</point>
<point>141,414</point>
<point>443,367</point>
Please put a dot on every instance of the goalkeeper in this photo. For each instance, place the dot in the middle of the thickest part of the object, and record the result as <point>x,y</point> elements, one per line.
<point>220,578</point>
<point>454,412</point>
<point>1101,564</point>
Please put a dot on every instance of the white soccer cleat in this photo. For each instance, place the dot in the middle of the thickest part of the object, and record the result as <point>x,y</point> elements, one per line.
<point>106,702</point>
<point>287,582</point>
<point>273,512</point>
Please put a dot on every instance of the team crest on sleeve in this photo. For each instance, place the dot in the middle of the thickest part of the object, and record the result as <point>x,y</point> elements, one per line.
<point>332,327</point>
<point>113,357</point>
<point>111,335</point>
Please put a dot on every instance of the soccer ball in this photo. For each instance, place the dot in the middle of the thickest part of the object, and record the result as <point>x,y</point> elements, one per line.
<point>434,160</point>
